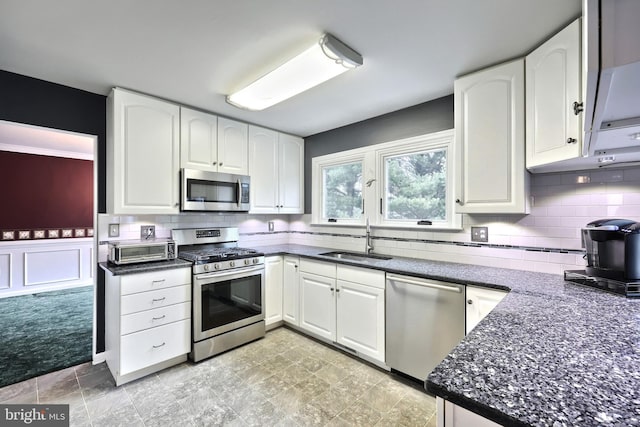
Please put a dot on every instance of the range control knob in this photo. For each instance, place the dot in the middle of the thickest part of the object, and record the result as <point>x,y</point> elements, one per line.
<point>247,262</point>
<point>216,266</point>
<point>255,260</point>
<point>232,264</point>
<point>206,267</point>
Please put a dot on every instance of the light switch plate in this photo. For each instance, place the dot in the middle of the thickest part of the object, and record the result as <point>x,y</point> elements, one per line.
<point>147,231</point>
<point>114,230</point>
<point>479,234</point>
<point>271,226</point>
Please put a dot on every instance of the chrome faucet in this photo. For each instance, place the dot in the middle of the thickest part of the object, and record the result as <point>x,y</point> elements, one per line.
<point>368,247</point>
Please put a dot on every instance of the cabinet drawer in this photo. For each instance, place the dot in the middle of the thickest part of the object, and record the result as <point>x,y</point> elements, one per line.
<point>154,299</point>
<point>365,276</point>
<point>155,345</point>
<point>140,321</point>
<point>142,282</point>
<point>326,269</point>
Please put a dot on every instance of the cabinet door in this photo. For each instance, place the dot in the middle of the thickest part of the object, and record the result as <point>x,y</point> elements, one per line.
<point>143,154</point>
<point>291,295</point>
<point>489,123</point>
<point>360,318</point>
<point>291,174</point>
<point>480,302</point>
<point>452,415</point>
<point>553,85</point>
<point>317,305</point>
<point>263,169</point>
<point>273,289</point>
<point>198,140</point>
<point>233,140</point>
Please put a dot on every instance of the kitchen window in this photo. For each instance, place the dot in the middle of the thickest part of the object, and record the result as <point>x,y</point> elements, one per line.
<point>415,182</point>
<point>405,183</point>
<point>342,195</point>
<point>340,181</point>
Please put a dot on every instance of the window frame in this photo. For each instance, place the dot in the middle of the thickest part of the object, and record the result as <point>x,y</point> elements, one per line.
<point>417,145</point>
<point>318,191</point>
<point>372,158</point>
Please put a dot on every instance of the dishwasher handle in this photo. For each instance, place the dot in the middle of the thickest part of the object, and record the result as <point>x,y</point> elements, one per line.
<point>425,283</point>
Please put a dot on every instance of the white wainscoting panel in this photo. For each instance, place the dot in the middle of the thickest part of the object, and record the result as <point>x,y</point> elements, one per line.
<point>51,266</point>
<point>5,271</point>
<point>38,266</point>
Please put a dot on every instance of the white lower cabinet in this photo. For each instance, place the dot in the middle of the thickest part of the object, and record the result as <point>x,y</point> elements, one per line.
<point>345,305</point>
<point>452,415</point>
<point>147,322</point>
<point>480,302</point>
<point>290,288</point>
<point>360,310</point>
<point>273,289</point>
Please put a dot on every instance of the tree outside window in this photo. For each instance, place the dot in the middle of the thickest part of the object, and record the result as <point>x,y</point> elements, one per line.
<point>342,186</point>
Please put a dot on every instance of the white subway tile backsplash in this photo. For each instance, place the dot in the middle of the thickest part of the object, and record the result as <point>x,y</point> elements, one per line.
<point>611,175</point>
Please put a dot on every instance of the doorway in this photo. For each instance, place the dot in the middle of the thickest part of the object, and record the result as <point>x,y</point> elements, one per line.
<point>48,247</point>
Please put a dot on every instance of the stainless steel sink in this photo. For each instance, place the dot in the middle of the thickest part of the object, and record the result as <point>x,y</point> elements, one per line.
<point>356,256</point>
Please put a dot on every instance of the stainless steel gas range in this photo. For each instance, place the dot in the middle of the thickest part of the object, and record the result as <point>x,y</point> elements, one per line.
<point>228,289</point>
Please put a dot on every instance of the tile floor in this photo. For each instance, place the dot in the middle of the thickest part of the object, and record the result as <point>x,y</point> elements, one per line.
<point>285,379</point>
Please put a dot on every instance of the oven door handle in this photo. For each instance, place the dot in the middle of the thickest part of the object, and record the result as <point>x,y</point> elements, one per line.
<point>201,277</point>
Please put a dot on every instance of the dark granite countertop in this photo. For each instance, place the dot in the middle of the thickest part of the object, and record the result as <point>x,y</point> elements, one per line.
<point>145,267</point>
<point>552,353</point>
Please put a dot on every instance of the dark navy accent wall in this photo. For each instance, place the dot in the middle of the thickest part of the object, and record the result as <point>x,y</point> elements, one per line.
<point>37,102</point>
<point>428,117</point>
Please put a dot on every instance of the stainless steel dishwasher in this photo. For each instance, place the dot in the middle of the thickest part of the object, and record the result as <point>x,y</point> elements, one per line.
<point>425,320</point>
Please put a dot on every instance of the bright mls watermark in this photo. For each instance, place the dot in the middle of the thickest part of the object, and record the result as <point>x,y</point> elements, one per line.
<point>34,415</point>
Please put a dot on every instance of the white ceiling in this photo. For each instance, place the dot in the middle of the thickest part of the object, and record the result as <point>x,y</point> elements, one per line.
<point>196,51</point>
<point>22,138</point>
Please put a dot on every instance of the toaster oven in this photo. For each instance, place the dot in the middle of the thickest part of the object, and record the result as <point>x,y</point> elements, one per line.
<point>137,251</point>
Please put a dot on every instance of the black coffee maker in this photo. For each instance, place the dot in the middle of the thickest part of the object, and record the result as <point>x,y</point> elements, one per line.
<point>613,249</point>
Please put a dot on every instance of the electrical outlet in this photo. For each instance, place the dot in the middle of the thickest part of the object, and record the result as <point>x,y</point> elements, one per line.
<point>114,230</point>
<point>147,231</point>
<point>479,234</point>
<point>271,226</point>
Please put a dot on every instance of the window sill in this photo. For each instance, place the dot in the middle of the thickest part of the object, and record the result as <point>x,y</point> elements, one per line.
<point>392,227</point>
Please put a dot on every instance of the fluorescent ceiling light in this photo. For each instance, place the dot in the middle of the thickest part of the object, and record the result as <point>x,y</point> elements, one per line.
<point>324,60</point>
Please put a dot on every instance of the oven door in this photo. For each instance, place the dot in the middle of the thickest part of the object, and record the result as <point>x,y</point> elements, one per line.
<point>227,300</point>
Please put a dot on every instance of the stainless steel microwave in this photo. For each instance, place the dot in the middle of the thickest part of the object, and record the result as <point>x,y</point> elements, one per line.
<point>202,191</point>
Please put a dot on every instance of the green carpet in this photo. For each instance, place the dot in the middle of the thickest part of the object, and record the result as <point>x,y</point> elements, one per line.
<point>44,332</point>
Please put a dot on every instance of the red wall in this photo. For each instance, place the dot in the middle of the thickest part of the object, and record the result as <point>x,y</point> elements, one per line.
<point>39,192</point>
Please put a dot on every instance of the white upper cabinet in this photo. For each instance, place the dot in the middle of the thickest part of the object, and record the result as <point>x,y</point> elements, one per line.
<point>233,143</point>
<point>212,143</point>
<point>290,174</point>
<point>198,140</point>
<point>554,125</point>
<point>490,130</point>
<point>276,162</point>
<point>143,154</point>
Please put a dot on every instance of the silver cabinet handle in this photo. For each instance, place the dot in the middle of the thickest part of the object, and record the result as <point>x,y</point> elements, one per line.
<point>158,346</point>
<point>159,299</point>
<point>220,163</point>
<point>215,163</point>
<point>425,283</point>
<point>331,289</point>
<point>159,318</point>
<point>158,281</point>
<point>578,107</point>
<point>469,301</point>
<point>571,140</point>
